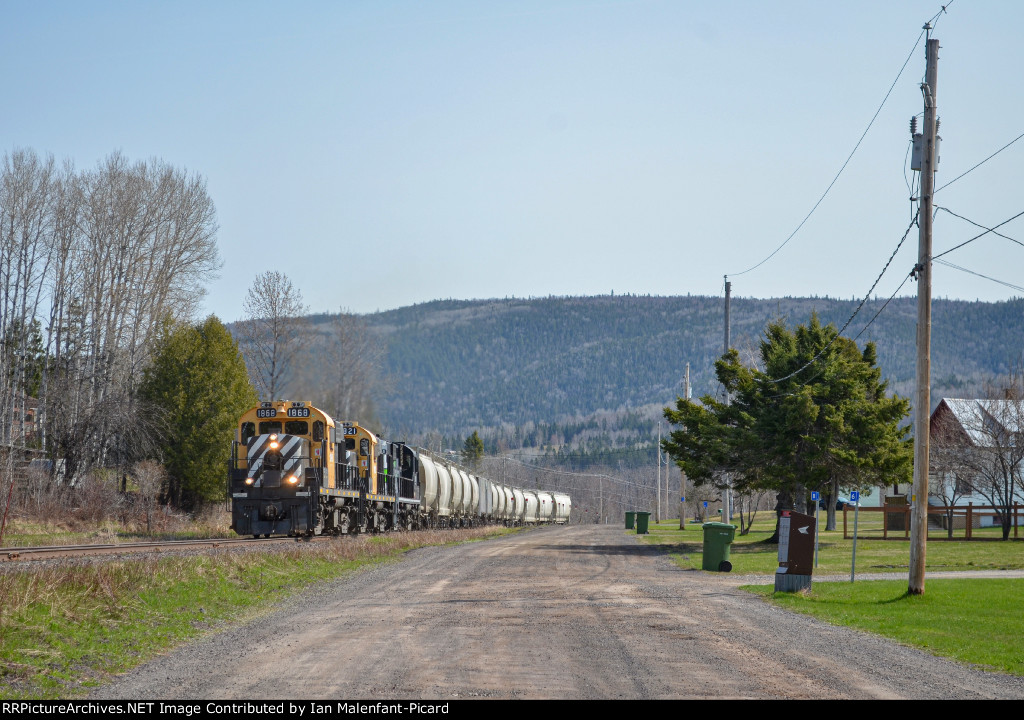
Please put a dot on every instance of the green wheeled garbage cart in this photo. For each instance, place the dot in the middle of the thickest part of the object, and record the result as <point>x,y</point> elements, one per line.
<point>717,539</point>
<point>630,517</point>
<point>642,520</point>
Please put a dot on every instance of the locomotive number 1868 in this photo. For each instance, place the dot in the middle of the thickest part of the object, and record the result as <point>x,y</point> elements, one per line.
<point>298,412</point>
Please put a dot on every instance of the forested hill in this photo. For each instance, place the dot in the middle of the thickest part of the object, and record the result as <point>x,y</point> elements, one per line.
<point>456,366</point>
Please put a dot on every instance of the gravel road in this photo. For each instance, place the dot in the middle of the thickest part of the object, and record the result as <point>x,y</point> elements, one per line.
<point>559,612</point>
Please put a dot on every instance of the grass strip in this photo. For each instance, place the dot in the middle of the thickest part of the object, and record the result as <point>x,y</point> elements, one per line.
<point>750,554</point>
<point>973,620</point>
<point>66,628</point>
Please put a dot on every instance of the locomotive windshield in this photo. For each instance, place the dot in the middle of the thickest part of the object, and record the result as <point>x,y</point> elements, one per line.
<point>272,426</point>
<point>296,427</point>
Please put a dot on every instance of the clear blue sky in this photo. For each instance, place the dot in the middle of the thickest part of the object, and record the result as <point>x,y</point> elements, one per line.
<point>385,153</point>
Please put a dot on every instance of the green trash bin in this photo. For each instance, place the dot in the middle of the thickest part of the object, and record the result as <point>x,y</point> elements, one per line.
<point>630,517</point>
<point>642,519</point>
<point>717,539</point>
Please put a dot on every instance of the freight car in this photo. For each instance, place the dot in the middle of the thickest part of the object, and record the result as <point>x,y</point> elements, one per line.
<point>296,471</point>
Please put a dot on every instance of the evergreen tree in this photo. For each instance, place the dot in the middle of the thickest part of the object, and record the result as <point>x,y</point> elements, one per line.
<point>473,449</point>
<point>796,425</point>
<point>199,385</point>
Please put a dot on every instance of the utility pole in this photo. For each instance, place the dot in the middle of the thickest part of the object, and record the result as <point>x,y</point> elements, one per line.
<point>682,473</point>
<point>923,270</point>
<point>727,511</point>
<point>657,515</point>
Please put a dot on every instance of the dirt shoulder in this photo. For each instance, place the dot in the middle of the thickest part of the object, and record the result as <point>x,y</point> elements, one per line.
<point>569,612</point>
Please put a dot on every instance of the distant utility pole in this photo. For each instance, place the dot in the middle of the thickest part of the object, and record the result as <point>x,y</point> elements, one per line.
<point>682,473</point>
<point>923,270</point>
<point>727,512</point>
<point>657,515</point>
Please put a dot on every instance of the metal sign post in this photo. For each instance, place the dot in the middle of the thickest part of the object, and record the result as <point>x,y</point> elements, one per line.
<point>817,523</point>
<point>855,499</point>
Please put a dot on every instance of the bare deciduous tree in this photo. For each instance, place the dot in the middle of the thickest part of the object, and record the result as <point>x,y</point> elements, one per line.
<point>949,479</point>
<point>273,331</point>
<point>97,260</point>
<point>151,480</point>
<point>342,369</point>
<point>990,447</point>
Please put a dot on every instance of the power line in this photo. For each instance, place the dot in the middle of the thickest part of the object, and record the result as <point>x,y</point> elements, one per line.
<point>982,162</point>
<point>1001,282</point>
<point>886,303</point>
<point>987,231</point>
<point>849,157</point>
<point>856,311</point>
<point>979,225</point>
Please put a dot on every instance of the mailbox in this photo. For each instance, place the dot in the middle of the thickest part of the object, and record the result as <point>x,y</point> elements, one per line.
<point>796,551</point>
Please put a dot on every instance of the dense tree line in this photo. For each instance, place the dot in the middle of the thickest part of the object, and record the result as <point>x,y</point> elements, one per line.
<point>491,365</point>
<point>93,264</point>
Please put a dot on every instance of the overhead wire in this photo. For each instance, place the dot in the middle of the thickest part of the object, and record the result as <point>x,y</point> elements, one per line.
<point>856,311</point>
<point>972,272</point>
<point>849,157</point>
<point>980,235</point>
<point>979,225</point>
<point>975,167</point>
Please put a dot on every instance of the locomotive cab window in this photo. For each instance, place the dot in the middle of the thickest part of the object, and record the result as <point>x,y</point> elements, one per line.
<point>364,447</point>
<point>248,431</point>
<point>350,444</point>
<point>318,431</point>
<point>296,427</point>
<point>273,426</point>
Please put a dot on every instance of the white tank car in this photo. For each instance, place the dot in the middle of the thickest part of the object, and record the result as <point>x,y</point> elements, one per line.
<point>492,513</point>
<point>563,505</point>
<point>474,501</point>
<point>456,480</point>
<point>429,495</point>
<point>444,491</point>
<point>465,493</point>
<point>546,507</point>
<point>519,511</point>
<point>510,505</point>
<point>532,505</point>
<point>498,506</point>
<point>483,505</point>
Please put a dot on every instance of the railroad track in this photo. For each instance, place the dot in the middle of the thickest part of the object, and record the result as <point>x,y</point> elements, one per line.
<point>22,554</point>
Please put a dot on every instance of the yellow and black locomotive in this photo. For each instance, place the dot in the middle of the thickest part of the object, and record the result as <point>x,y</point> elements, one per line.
<point>295,471</point>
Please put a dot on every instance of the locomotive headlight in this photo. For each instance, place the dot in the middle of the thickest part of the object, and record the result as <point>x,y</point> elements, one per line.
<point>273,446</point>
<point>293,479</point>
<point>248,481</point>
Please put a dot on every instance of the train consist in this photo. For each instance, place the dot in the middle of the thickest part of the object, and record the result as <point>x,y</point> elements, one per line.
<point>296,471</point>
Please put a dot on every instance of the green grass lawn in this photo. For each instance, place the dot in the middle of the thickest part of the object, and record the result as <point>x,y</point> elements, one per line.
<point>971,620</point>
<point>749,554</point>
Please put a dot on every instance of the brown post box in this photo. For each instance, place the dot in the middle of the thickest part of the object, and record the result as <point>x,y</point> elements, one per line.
<point>796,551</point>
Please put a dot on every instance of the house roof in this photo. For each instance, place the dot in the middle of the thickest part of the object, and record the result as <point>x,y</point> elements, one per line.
<point>983,421</point>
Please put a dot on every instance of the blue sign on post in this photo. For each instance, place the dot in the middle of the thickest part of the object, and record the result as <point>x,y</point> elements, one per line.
<point>815,495</point>
<point>705,503</point>
<point>855,496</point>
<point>682,499</point>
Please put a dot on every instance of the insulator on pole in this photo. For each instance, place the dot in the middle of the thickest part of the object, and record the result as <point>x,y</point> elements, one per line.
<point>913,125</point>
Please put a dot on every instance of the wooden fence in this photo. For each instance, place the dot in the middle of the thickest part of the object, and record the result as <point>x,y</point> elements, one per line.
<point>892,522</point>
